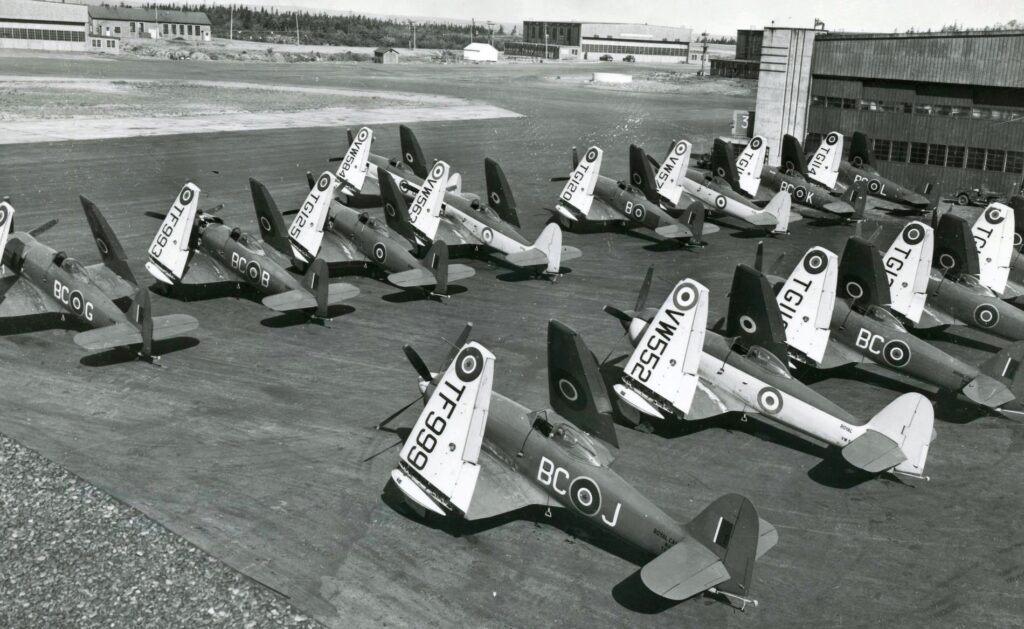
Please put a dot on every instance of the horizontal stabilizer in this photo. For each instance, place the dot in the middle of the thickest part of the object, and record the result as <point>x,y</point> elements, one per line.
<point>300,299</point>
<point>686,569</point>
<point>677,230</point>
<point>413,278</point>
<point>122,334</point>
<point>873,452</point>
<point>570,253</point>
<point>527,257</point>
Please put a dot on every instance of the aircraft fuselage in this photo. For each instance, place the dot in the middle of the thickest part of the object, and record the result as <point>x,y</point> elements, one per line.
<point>372,239</point>
<point>720,196</point>
<point>803,191</point>
<point>247,259</point>
<point>975,306</point>
<point>878,186</point>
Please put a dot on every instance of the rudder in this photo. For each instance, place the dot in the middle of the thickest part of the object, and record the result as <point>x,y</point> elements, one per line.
<point>271,222</point>
<point>499,193</point>
<point>575,387</point>
<point>412,153</point>
<point>109,246</point>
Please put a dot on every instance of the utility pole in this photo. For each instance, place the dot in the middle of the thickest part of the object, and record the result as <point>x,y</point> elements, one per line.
<point>412,25</point>
<point>472,29</point>
<point>490,30</point>
<point>545,40</point>
<point>296,28</point>
<point>704,51</point>
<point>231,24</point>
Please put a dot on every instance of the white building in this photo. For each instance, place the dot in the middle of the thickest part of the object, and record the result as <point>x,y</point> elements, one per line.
<point>35,25</point>
<point>478,51</point>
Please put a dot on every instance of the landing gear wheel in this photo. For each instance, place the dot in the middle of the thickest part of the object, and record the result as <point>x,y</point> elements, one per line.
<point>963,199</point>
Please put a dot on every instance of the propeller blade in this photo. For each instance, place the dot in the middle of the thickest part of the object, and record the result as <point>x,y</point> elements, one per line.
<point>310,179</point>
<point>777,265</point>
<point>417,363</point>
<point>759,256</point>
<point>377,454</point>
<point>459,342</point>
<point>575,158</point>
<point>44,227</point>
<point>335,159</point>
<point>214,209</point>
<point>618,314</point>
<point>290,212</point>
<point>156,215</point>
<point>641,298</point>
<point>874,234</point>
<point>390,418</point>
<point>351,136</point>
<point>559,179</point>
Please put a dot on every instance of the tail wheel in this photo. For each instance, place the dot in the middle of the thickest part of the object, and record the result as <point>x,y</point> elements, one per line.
<point>963,199</point>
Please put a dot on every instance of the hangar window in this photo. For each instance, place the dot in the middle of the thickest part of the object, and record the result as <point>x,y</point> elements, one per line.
<point>1014,162</point>
<point>899,152</point>
<point>981,113</point>
<point>936,154</point>
<point>955,157</point>
<point>165,29</point>
<point>881,149</point>
<point>832,101</point>
<point>816,101</point>
<point>189,29</point>
<point>868,105</point>
<point>849,103</point>
<point>995,160</point>
<point>131,27</point>
<point>960,112</point>
<point>976,158</point>
<point>918,152</point>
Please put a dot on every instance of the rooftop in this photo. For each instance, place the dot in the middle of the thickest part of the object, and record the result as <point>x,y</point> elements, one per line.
<point>132,14</point>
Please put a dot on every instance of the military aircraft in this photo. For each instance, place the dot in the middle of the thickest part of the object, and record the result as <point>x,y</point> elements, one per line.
<point>835,314</point>
<point>41,281</point>
<point>680,370</point>
<point>464,221</point>
<point>590,198</point>
<point>195,248</point>
<point>475,453</point>
<point>719,190</point>
<point>828,168</point>
<point>940,286</point>
<point>343,238</point>
<point>791,177</point>
<point>996,241</point>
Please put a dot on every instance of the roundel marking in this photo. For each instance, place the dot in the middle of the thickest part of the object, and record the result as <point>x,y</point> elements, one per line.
<point>100,243</point>
<point>591,155</point>
<point>769,399</point>
<point>896,353</point>
<point>363,134</point>
<point>638,212</point>
<point>380,252</point>
<point>408,158</point>
<point>568,390</point>
<point>747,324</point>
<point>265,223</point>
<point>324,182</point>
<point>854,289</point>
<point>720,202</point>
<point>1017,238</point>
<point>389,209</point>
<point>495,198</point>
<point>437,170</point>
<point>790,165</point>
<point>800,193</point>
<point>77,301</point>
<point>874,185</point>
<point>680,148</point>
<point>685,297</point>
<point>986,315</point>
<point>857,161</point>
<point>585,496</point>
<point>403,185</point>
<point>3,215</point>
<point>469,364</point>
<point>815,262</point>
<point>253,270</point>
<point>831,138</point>
<point>755,143</point>
<point>186,195</point>
<point>947,261</point>
<point>637,179</point>
<point>487,234</point>
<point>994,215</point>
<point>913,234</point>
<point>720,171</point>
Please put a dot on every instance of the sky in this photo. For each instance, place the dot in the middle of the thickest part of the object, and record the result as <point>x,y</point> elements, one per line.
<point>720,17</point>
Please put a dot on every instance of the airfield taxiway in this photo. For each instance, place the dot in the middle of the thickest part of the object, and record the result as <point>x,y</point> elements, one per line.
<point>255,443</point>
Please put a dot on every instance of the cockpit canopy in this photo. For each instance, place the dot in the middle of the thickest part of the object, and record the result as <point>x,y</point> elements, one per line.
<point>69,265</point>
<point>974,284</point>
<point>884,317</point>
<point>247,241</point>
<point>768,360</point>
<point>568,437</point>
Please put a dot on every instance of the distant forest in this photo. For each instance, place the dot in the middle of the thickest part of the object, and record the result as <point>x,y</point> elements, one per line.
<point>273,26</point>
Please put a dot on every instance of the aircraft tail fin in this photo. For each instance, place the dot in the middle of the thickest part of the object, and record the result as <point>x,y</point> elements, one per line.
<point>575,386</point>
<point>897,438</point>
<point>749,165</point>
<point>1006,368</point>
<point>317,282</point>
<point>111,252</point>
<point>170,249</point>
<point>437,260</point>
<point>857,196</point>
<point>412,153</point>
<point>860,150</point>
<point>693,217</point>
<point>306,233</point>
<point>723,164</point>
<point>907,263</point>
<point>994,241</point>
<point>753,316</point>
<point>955,251</point>
<point>824,164</point>
<point>443,479</point>
<point>793,155</point>
<point>6,224</point>
<point>780,207</point>
<point>271,222</point>
<point>672,172</point>
<point>396,210</point>
<point>425,211</point>
<point>806,302</point>
<point>140,315</point>
<point>578,193</point>
<point>499,193</point>
<point>549,242</point>
<point>641,173</point>
<point>718,555</point>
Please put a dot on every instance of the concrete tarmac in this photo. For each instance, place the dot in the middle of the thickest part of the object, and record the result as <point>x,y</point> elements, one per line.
<point>255,441</point>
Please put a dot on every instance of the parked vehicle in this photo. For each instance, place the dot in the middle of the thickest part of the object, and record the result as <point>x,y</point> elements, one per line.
<point>977,196</point>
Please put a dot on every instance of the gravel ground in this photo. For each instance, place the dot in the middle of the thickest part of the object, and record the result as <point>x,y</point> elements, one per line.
<point>72,556</point>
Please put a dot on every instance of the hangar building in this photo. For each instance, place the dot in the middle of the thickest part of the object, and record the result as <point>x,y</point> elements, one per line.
<point>938,107</point>
<point>592,40</point>
<point>130,22</point>
<point>38,25</point>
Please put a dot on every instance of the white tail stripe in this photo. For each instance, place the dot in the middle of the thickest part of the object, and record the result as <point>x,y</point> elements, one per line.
<point>352,172</point>
<point>306,232</point>
<point>907,265</point>
<point>672,173</point>
<point>578,193</point>
<point>806,302</point>
<point>824,165</point>
<point>170,248</point>
<point>750,163</point>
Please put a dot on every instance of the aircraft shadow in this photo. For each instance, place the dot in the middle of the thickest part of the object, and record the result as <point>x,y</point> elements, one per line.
<point>421,294</point>
<point>128,354</point>
<point>946,334</point>
<point>38,323</point>
<point>303,317</point>
<point>197,292</point>
<point>632,594</point>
